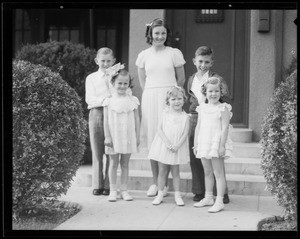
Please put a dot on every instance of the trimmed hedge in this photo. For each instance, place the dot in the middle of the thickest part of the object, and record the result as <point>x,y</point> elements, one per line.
<point>279,145</point>
<point>73,61</point>
<point>49,132</point>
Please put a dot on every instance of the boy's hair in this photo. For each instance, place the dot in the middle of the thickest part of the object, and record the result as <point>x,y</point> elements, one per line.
<point>204,51</point>
<point>214,81</point>
<point>173,92</point>
<point>105,51</point>
<point>122,73</point>
<point>156,23</point>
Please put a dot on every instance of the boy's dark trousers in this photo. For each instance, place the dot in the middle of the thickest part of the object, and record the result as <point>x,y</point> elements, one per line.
<point>96,131</point>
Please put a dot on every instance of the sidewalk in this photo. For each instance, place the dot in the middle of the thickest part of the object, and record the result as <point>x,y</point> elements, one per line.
<point>242,213</point>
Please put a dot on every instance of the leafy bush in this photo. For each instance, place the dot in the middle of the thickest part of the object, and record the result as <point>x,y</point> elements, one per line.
<point>49,132</point>
<point>279,141</point>
<point>73,62</point>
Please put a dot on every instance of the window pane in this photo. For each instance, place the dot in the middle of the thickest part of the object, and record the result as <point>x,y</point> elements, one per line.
<point>18,19</point>
<point>53,35</point>
<point>111,39</point>
<point>74,36</point>
<point>63,35</point>
<point>100,38</point>
<point>27,37</point>
<point>26,20</point>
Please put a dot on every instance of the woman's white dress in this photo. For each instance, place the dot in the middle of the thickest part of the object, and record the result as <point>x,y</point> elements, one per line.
<point>160,77</point>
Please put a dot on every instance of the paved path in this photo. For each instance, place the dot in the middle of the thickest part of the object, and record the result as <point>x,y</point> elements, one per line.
<point>242,213</point>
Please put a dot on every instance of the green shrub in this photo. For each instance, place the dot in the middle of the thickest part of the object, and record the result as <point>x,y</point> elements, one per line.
<point>73,62</point>
<point>49,132</point>
<point>279,145</point>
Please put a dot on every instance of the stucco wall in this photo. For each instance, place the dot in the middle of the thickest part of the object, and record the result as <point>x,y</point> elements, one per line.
<point>262,72</point>
<point>289,36</point>
<point>137,41</point>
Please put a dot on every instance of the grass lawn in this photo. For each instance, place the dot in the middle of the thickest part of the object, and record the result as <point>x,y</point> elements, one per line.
<point>46,217</point>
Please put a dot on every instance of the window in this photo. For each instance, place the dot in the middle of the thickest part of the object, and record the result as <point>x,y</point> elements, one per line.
<point>22,29</point>
<point>209,15</point>
<point>63,25</point>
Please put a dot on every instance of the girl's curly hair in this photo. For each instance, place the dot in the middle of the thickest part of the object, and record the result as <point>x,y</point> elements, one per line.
<point>173,92</point>
<point>215,80</point>
<point>157,23</point>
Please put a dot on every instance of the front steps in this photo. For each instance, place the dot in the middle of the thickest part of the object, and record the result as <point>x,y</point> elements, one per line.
<point>243,173</point>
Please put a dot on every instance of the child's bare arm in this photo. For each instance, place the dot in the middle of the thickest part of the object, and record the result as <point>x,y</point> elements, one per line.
<point>225,119</point>
<point>161,134</point>
<point>108,139</point>
<point>183,137</point>
<point>142,77</point>
<point>196,134</point>
<point>137,126</point>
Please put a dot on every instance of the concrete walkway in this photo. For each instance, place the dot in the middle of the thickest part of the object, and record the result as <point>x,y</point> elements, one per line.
<point>242,213</point>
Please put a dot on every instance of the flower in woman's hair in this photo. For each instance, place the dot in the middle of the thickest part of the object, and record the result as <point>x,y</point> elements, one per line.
<point>114,70</point>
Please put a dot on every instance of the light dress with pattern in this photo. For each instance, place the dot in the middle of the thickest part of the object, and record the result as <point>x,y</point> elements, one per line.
<point>209,135</point>
<point>173,125</point>
<point>121,123</point>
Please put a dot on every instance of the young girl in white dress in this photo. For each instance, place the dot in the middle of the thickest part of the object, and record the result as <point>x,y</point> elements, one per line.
<point>211,142</point>
<point>170,144</point>
<point>121,129</point>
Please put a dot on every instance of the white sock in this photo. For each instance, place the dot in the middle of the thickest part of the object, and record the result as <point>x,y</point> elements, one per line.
<point>177,194</point>
<point>208,195</point>
<point>219,199</point>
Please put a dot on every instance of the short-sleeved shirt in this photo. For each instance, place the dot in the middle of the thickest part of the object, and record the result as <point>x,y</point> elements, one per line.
<point>160,66</point>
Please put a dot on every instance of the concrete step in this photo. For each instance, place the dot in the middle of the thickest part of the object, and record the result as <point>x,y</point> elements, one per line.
<point>238,184</point>
<point>233,165</point>
<point>246,150</point>
<point>242,135</point>
<point>240,150</point>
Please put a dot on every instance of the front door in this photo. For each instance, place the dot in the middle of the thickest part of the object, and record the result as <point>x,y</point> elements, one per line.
<point>225,31</point>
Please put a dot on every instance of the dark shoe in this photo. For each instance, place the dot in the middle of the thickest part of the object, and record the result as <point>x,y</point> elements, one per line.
<point>97,192</point>
<point>105,192</point>
<point>226,199</point>
<point>198,197</point>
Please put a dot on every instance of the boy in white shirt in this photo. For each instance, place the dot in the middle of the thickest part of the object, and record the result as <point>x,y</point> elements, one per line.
<point>96,90</point>
<point>203,61</point>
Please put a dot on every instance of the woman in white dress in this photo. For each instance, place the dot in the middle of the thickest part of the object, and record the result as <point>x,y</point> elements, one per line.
<point>159,68</point>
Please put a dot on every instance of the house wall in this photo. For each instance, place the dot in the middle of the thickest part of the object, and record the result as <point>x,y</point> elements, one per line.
<point>270,53</point>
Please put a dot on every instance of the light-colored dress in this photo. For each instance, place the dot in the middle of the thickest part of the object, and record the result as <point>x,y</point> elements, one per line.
<point>173,125</point>
<point>121,123</point>
<point>209,136</point>
<point>160,77</point>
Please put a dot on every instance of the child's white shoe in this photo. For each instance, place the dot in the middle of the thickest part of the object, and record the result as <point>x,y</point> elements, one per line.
<point>218,206</point>
<point>126,196</point>
<point>158,199</point>
<point>165,190</point>
<point>179,201</point>
<point>152,191</point>
<point>204,202</point>
<point>112,196</point>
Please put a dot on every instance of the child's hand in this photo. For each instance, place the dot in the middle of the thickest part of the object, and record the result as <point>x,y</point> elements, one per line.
<point>108,142</point>
<point>195,151</point>
<point>221,151</point>
<point>174,148</point>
